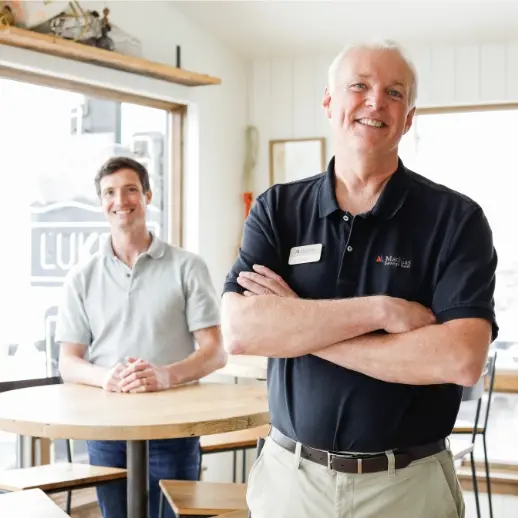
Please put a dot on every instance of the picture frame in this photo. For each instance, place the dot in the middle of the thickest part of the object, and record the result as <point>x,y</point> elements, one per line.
<point>294,159</point>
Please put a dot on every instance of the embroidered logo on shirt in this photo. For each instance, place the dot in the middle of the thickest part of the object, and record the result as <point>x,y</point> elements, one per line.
<point>395,262</point>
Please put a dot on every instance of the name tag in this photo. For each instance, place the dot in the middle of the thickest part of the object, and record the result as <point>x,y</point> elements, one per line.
<point>305,254</point>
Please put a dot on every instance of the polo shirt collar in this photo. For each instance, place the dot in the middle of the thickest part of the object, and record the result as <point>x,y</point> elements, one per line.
<point>394,194</point>
<point>389,202</point>
<point>155,251</point>
<point>156,248</point>
<point>327,203</point>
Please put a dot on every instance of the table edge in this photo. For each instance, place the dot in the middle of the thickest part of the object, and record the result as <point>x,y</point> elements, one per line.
<point>138,432</point>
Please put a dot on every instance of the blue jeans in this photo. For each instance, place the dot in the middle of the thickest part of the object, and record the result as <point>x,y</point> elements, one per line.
<point>177,459</point>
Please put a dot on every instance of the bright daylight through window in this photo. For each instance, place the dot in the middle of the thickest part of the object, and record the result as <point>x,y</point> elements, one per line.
<point>474,153</point>
<point>54,141</point>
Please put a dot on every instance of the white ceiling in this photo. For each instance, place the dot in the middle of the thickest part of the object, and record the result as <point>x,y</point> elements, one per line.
<point>287,28</point>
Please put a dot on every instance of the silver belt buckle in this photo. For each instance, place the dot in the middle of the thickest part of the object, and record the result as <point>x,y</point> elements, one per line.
<point>329,460</point>
<point>360,466</point>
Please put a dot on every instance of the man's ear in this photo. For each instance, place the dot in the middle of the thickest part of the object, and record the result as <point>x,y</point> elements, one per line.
<point>326,102</point>
<point>149,196</point>
<point>409,120</point>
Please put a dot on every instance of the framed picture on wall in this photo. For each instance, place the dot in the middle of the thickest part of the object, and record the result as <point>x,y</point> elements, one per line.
<point>294,159</point>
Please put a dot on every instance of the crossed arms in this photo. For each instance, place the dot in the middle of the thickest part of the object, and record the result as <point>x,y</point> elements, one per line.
<point>415,351</point>
<point>262,315</point>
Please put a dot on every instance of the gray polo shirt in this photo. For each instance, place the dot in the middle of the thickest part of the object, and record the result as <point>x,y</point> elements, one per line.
<point>149,311</point>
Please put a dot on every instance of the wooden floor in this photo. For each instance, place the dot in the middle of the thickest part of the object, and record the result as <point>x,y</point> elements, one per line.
<point>84,503</point>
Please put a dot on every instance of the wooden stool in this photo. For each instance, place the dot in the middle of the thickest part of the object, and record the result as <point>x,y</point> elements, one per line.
<point>60,476</point>
<point>188,498</point>
<point>234,441</point>
<point>29,504</point>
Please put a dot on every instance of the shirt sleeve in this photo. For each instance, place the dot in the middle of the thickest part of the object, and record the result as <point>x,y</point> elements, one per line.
<point>258,246</point>
<point>202,302</point>
<point>467,282</point>
<point>72,324</point>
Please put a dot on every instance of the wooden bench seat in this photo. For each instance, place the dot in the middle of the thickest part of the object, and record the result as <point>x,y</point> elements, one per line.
<point>235,514</point>
<point>466,427</point>
<point>503,481</point>
<point>233,440</point>
<point>58,476</point>
<point>203,498</point>
<point>33,503</point>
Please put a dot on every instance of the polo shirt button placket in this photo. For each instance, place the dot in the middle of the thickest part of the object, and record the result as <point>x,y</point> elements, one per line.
<point>346,218</point>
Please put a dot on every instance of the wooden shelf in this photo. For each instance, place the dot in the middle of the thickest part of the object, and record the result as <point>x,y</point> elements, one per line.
<point>506,380</point>
<point>56,46</point>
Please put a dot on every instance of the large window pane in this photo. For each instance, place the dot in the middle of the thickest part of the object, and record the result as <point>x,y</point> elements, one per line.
<point>474,153</point>
<point>54,141</point>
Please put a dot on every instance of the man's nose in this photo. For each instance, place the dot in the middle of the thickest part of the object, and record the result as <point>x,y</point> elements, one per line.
<point>119,198</point>
<point>375,98</point>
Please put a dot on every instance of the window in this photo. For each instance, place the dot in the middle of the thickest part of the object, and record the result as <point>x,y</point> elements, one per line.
<point>474,153</point>
<point>53,142</point>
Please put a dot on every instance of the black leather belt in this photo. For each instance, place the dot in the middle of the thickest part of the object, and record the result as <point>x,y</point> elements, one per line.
<point>360,463</point>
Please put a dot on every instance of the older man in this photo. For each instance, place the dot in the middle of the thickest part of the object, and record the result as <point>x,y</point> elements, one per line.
<point>129,321</point>
<point>370,289</point>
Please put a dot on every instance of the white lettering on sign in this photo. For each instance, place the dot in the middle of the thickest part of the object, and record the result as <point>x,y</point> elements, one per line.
<point>68,248</point>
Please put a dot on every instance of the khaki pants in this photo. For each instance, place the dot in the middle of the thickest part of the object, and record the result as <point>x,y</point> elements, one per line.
<point>281,485</point>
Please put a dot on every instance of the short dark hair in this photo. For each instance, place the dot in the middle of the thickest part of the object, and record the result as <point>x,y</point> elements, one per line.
<point>117,163</point>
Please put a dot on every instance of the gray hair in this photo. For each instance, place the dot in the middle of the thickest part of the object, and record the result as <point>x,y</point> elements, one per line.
<point>382,45</point>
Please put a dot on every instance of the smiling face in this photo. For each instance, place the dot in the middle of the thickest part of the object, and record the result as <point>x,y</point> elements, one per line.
<point>369,104</point>
<point>123,200</point>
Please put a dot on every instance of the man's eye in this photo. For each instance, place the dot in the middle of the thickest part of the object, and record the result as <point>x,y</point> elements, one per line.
<point>395,93</point>
<point>359,86</point>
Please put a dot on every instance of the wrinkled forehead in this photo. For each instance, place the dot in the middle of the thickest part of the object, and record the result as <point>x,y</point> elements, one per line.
<point>380,64</point>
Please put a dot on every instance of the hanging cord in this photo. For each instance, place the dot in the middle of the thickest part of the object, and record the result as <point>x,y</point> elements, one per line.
<point>251,151</point>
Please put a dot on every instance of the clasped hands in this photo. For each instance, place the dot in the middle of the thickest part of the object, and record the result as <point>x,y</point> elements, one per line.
<point>137,375</point>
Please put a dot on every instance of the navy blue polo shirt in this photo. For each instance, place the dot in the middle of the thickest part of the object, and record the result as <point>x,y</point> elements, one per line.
<point>421,242</point>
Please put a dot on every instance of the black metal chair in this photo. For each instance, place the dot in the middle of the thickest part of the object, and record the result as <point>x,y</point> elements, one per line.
<point>43,477</point>
<point>474,428</point>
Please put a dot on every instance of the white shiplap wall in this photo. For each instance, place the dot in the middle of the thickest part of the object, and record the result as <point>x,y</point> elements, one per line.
<point>284,96</point>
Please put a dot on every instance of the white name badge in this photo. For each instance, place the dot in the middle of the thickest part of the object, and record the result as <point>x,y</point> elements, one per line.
<point>305,254</point>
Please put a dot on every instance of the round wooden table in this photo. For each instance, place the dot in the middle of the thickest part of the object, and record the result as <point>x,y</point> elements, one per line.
<point>72,411</point>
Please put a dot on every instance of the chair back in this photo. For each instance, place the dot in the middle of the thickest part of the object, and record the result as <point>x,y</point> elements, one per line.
<point>21,384</point>
<point>476,392</point>
<point>5,386</point>
<point>491,372</point>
